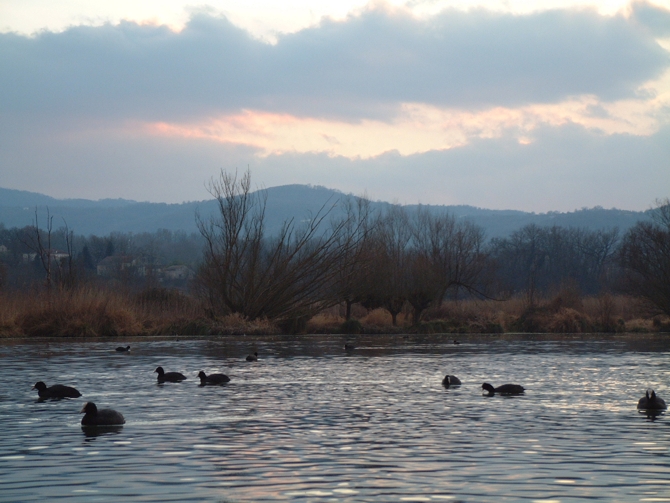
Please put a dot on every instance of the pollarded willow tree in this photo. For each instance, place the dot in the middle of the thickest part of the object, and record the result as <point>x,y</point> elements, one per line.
<point>392,246</point>
<point>356,261</point>
<point>447,256</point>
<point>284,277</point>
<point>420,257</point>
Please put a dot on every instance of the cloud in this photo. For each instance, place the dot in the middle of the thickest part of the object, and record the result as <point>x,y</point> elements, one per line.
<point>550,110</point>
<point>653,17</point>
<point>563,168</point>
<point>364,66</point>
<point>418,128</point>
<point>113,163</point>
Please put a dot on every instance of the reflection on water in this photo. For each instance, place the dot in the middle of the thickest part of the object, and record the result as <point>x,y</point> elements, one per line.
<point>312,422</point>
<point>98,431</point>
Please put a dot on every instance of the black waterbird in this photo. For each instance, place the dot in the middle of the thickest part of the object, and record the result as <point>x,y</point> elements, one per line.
<point>169,376</point>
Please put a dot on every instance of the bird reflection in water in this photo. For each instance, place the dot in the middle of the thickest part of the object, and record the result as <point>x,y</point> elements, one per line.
<point>93,432</point>
<point>652,415</point>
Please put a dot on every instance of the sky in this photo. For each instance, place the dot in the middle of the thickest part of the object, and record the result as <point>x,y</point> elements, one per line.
<point>512,104</point>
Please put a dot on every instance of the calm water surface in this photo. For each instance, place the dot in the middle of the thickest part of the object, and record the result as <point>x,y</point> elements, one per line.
<point>309,422</point>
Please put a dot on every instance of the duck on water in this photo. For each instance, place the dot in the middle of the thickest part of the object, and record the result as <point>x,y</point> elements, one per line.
<point>169,376</point>
<point>651,401</point>
<point>56,391</point>
<point>102,417</point>
<point>450,380</point>
<point>213,379</point>
<point>505,389</point>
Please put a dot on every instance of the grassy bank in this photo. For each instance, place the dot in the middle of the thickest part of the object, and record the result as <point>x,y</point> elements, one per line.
<point>94,312</point>
<point>564,313</point>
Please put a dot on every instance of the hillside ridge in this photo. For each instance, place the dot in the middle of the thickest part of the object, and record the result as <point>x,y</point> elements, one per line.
<point>102,217</point>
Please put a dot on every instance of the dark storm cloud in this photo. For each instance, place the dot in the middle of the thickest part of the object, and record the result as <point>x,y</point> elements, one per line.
<point>361,67</point>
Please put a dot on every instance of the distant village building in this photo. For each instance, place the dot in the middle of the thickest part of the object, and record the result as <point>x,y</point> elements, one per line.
<point>112,265</point>
<point>108,266</point>
<point>176,272</point>
<point>56,256</point>
<point>29,257</point>
<point>3,249</point>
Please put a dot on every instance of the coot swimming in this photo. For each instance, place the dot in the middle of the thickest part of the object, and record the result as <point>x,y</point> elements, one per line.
<point>169,376</point>
<point>212,378</point>
<point>505,389</point>
<point>103,417</point>
<point>450,381</point>
<point>651,402</point>
<point>55,391</point>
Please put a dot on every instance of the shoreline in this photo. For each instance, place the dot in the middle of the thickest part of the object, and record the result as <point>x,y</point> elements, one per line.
<point>91,313</point>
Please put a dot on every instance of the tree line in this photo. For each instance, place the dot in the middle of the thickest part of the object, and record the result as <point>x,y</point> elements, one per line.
<point>42,256</point>
<point>393,259</point>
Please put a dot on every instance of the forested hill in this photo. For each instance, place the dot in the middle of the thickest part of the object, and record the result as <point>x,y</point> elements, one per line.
<point>86,217</point>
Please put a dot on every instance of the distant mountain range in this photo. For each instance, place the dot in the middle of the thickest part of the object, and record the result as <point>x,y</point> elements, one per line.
<point>86,217</point>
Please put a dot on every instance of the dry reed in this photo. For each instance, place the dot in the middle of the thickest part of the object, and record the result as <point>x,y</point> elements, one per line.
<point>565,312</point>
<point>95,312</point>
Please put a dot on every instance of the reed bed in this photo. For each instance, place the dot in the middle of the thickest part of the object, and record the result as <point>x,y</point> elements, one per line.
<point>99,312</point>
<point>565,312</point>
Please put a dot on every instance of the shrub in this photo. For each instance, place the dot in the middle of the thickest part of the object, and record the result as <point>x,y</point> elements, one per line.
<point>568,321</point>
<point>493,328</point>
<point>351,327</point>
<point>377,317</point>
<point>569,297</point>
<point>81,314</point>
<point>294,325</point>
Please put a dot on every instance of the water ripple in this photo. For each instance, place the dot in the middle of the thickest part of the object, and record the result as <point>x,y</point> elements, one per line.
<point>311,423</point>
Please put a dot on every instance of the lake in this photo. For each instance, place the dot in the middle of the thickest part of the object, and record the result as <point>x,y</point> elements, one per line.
<point>311,422</point>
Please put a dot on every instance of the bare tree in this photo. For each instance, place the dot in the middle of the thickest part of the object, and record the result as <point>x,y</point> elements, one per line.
<point>386,285</point>
<point>598,250</point>
<point>645,256</point>
<point>423,284</point>
<point>35,241</point>
<point>417,258</point>
<point>66,268</point>
<point>3,275</point>
<point>536,260</point>
<point>355,265</point>
<point>58,269</point>
<point>447,255</point>
<point>281,278</point>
